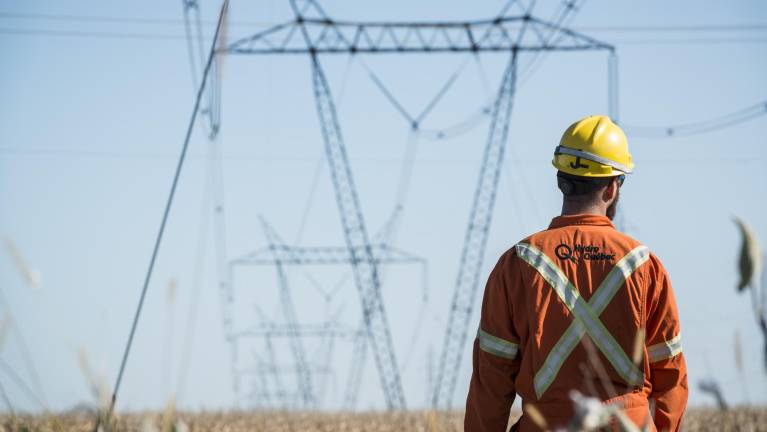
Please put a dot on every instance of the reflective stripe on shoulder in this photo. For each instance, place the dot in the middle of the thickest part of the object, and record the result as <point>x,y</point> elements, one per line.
<point>665,350</point>
<point>496,346</point>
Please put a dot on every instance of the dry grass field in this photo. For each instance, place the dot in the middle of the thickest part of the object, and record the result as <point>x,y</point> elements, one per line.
<point>741,419</point>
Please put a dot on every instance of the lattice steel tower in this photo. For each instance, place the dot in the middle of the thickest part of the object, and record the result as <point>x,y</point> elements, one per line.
<point>314,34</point>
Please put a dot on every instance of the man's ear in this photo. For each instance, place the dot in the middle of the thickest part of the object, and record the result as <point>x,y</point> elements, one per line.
<point>610,191</point>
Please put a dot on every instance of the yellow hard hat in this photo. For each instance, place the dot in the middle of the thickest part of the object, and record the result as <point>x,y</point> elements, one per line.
<point>593,147</point>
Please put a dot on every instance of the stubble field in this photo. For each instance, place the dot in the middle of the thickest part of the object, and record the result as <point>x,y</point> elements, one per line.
<point>700,419</point>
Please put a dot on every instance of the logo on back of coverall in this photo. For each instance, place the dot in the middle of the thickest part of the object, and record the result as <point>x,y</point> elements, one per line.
<point>587,252</point>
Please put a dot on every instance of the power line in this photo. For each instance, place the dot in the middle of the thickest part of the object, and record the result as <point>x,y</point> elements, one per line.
<point>90,34</point>
<point>676,28</point>
<point>312,160</point>
<point>197,282</point>
<point>743,27</point>
<point>76,153</point>
<point>38,32</point>
<point>437,134</point>
<point>695,41</point>
<point>165,215</point>
<point>725,121</point>
<point>116,19</point>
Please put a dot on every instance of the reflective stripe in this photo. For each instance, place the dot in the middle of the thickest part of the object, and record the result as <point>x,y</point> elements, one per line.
<point>592,157</point>
<point>496,346</point>
<point>586,315</point>
<point>665,350</point>
<point>617,277</point>
<point>557,357</point>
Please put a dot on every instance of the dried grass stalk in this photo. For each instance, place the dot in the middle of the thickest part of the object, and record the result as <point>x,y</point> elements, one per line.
<point>737,346</point>
<point>33,278</point>
<point>535,415</point>
<point>637,354</point>
<point>749,261</point>
<point>5,325</point>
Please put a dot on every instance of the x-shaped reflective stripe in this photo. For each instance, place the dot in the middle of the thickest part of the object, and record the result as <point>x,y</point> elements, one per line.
<point>586,314</point>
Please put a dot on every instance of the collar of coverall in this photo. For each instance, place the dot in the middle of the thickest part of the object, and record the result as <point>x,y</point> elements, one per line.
<point>580,219</point>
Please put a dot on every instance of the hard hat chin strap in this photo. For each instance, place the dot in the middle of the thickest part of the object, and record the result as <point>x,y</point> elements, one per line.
<point>592,157</point>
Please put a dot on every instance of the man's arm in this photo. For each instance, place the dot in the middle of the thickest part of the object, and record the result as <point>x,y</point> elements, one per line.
<point>668,372</point>
<point>496,357</point>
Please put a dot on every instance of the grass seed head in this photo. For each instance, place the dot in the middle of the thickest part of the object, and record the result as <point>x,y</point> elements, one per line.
<point>750,258</point>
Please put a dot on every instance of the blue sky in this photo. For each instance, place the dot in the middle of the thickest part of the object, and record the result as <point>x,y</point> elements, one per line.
<point>92,122</point>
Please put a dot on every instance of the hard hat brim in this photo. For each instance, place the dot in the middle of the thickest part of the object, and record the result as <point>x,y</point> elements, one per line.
<point>593,157</point>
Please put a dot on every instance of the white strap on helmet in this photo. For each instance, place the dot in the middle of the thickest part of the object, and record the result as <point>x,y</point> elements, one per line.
<point>592,157</point>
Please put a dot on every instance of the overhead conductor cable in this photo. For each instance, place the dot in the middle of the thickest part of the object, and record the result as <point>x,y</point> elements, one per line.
<point>165,215</point>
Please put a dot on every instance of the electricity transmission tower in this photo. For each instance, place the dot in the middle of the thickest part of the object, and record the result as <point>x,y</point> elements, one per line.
<point>313,33</point>
<point>280,255</point>
<point>266,373</point>
<point>288,309</point>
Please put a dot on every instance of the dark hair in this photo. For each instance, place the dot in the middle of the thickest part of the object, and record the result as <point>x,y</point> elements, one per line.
<point>571,185</point>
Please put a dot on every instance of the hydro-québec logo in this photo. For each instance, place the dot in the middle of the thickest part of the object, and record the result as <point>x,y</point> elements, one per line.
<point>582,251</point>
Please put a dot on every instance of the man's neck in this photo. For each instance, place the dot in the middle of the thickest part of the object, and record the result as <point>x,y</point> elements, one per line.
<point>575,208</point>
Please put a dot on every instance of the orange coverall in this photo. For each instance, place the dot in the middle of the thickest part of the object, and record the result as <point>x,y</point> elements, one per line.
<point>577,291</point>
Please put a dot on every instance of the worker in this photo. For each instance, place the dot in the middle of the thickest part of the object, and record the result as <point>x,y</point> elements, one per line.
<point>579,307</point>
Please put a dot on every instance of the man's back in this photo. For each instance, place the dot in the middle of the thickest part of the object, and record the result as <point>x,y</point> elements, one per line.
<point>578,306</point>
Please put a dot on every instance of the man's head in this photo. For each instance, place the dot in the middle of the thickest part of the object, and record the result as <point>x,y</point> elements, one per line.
<point>592,161</point>
<point>598,193</point>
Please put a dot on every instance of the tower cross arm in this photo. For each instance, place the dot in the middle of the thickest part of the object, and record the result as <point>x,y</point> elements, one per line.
<point>324,255</point>
<point>327,36</point>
